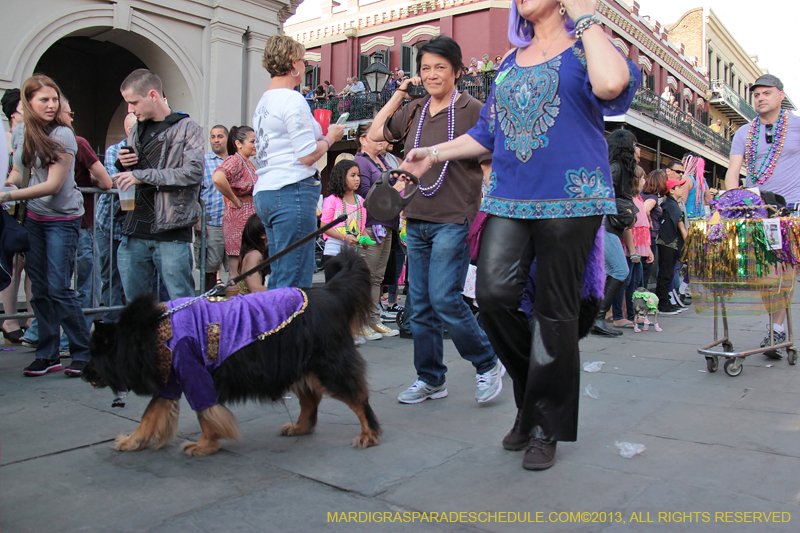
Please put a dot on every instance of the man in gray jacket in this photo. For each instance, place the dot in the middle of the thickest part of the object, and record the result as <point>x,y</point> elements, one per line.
<point>166,166</point>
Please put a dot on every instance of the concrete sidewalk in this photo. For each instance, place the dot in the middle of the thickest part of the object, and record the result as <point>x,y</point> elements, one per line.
<point>715,445</point>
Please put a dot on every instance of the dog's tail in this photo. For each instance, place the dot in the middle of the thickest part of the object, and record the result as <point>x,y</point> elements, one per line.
<point>348,289</point>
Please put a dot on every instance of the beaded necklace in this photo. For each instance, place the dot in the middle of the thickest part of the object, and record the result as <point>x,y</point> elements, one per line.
<point>357,232</point>
<point>768,164</point>
<point>451,126</point>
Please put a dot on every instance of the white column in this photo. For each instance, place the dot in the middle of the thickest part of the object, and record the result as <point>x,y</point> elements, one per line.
<point>226,75</point>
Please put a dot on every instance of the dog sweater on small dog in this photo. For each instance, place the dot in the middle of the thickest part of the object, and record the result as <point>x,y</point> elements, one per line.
<point>194,341</point>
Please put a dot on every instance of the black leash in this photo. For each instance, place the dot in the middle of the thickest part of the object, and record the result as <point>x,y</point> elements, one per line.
<point>288,250</point>
<point>219,288</point>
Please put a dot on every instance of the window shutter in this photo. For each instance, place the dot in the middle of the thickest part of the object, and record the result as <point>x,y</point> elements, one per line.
<point>387,57</point>
<point>363,63</point>
<point>314,78</point>
<point>405,59</point>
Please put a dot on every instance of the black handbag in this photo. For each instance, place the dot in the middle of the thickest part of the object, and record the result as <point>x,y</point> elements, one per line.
<point>625,217</point>
<point>383,202</point>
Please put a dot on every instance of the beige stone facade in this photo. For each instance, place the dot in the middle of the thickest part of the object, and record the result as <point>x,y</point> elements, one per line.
<point>730,69</point>
<point>207,52</point>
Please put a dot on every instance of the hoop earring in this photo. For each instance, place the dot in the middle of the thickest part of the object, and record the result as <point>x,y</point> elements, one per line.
<point>562,9</point>
<point>295,74</point>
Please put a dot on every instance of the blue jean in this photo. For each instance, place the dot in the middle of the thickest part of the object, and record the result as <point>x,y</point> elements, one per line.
<point>32,335</point>
<point>615,262</point>
<point>633,282</point>
<point>288,215</point>
<point>140,259</point>
<point>88,284</point>
<point>107,249</point>
<point>438,259</point>
<point>51,262</point>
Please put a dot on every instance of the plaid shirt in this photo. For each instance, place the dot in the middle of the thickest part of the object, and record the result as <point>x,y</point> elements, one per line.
<point>108,204</point>
<point>215,202</point>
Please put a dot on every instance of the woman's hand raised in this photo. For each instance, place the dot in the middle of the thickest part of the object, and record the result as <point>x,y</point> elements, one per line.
<point>578,8</point>
<point>417,162</point>
<point>335,132</point>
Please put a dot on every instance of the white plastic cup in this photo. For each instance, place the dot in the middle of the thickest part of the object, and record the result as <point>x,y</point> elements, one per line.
<point>127,199</point>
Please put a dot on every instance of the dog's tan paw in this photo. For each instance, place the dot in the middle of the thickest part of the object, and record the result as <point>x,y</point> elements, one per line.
<point>291,430</point>
<point>365,441</point>
<point>193,449</point>
<point>124,443</point>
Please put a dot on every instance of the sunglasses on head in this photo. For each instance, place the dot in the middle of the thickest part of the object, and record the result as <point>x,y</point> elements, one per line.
<point>769,136</point>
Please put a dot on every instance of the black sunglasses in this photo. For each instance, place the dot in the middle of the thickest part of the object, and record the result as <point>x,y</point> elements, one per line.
<point>770,138</point>
<point>679,172</point>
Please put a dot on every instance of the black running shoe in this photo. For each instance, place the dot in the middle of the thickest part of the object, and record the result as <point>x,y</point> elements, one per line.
<point>40,367</point>
<point>75,369</point>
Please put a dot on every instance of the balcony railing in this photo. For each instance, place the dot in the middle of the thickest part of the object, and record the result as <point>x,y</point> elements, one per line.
<point>652,105</point>
<point>365,106</point>
<point>725,92</point>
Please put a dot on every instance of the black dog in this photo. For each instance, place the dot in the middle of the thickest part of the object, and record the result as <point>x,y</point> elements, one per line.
<point>309,350</point>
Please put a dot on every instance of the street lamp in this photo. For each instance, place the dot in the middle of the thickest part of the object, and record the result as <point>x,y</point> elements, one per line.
<point>377,74</point>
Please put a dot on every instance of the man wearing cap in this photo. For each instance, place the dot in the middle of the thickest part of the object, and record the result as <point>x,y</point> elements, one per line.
<point>769,150</point>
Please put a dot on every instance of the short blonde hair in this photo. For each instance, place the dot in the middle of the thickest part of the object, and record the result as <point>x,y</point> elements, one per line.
<point>279,54</point>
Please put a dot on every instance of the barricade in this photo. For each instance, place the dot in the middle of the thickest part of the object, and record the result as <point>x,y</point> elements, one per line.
<point>97,288</point>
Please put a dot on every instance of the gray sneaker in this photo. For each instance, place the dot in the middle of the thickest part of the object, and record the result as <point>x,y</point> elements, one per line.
<point>421,391</point>
<point>490,383</point>
<point>777,338</point>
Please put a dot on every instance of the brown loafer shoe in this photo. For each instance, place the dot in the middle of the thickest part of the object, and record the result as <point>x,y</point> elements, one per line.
<point>515,440</point>
<point>540,455</point>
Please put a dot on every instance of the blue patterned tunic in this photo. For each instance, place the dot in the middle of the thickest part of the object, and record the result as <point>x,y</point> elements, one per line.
<point>545,129</point>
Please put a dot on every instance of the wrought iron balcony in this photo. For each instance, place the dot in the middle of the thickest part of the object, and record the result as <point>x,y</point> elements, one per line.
<point>365,106</point>
<point>724,94</point>
<point>652,105</point>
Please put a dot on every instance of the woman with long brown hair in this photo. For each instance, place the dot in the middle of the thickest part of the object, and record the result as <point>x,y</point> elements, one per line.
<point>47,146</point>
<point>235,178</point>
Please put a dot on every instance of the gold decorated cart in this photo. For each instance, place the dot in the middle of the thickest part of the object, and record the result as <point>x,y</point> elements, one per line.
<point>742,267</point>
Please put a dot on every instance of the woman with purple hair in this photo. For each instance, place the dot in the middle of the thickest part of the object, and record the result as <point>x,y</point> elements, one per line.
<point>546,197</point>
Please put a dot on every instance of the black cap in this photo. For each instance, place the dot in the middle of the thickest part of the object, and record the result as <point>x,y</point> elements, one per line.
<point>767,80</point>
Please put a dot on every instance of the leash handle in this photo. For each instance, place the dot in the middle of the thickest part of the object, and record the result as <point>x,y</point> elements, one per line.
<point>287,250</point>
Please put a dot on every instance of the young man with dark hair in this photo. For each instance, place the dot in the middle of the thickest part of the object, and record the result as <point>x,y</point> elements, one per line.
<point>215,209</point>
<point>166,166</point>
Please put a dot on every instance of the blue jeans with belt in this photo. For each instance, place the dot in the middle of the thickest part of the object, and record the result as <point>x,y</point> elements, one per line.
<point>438,259</point>
<point>51,262</point>
<point>288,215</point>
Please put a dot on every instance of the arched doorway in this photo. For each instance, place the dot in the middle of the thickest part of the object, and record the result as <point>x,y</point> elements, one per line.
<point>89,73</point>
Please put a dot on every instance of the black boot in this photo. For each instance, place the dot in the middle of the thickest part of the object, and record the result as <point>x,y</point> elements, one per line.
<point>613,286</point>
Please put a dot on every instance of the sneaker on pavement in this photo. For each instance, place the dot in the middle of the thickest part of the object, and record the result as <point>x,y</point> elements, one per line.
<point>30,343</point>
<point>40,367</point>
<point>668,309</point>
<point>421,391</point>
<point>75,369</point>
<point>370,334</point>
<point>385,331</point>
<point>64,353</point>
<point>490,383</point>
<point>677,298</point>
<point>359,340</point>
<point>777,338</point>
<point>389,311</point>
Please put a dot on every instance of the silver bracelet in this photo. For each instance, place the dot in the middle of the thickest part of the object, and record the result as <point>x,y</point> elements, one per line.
<point>584,24</point>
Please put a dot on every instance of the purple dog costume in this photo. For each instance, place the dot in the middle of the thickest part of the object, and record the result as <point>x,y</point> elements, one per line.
<point>195,340</point>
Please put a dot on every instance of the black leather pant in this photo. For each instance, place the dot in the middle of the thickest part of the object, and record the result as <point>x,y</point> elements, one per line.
<point>542,356</point>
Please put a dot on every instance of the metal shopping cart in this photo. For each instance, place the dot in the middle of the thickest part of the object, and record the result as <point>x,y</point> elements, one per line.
<point>743,267</point>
